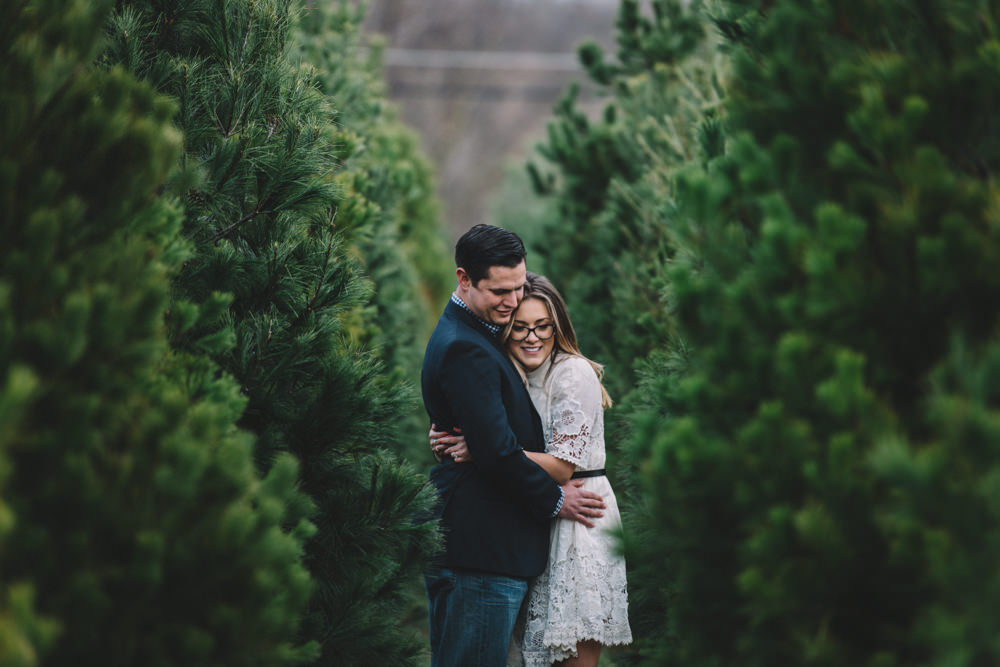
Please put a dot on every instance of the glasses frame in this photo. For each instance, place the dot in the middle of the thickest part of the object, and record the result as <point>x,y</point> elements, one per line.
<point>529,330</point>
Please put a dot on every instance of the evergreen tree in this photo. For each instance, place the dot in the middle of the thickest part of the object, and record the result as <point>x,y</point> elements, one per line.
<point>820,466</point>
<point>131,510</point>
<point>607,234</point>
<point>258,178</point>
<point>610,237</point>
<point>388,207</point>
<point>389,216</point>
<point>24,635</point>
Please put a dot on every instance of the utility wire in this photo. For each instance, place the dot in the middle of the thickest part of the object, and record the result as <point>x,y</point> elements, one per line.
<point>495,60</point>
<point>541,94</point>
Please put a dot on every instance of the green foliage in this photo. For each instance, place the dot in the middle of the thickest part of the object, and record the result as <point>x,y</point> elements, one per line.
<point>607,241</point>
<point>818,467</point>
<point>388,208</point>
<point>803,272</point>
<point>605,230</point>
<point>132,514</point>
<point>275,292</point>
<point>23,634</point>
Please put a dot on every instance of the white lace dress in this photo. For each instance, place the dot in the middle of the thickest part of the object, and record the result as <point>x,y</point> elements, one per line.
<point>582,594</point>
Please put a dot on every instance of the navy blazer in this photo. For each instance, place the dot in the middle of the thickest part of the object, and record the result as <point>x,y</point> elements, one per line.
<point>495,510</point>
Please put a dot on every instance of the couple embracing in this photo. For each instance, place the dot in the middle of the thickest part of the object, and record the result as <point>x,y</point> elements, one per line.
<point>529,573</point>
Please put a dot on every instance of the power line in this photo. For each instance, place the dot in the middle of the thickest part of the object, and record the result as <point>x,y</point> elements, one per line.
<point>495,60</point>
<point>543,94</point>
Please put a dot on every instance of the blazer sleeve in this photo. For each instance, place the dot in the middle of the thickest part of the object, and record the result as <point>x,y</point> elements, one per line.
<point>471,382</point>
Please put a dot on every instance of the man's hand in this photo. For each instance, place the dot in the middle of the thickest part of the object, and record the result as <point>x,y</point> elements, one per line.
<point>580,505</point>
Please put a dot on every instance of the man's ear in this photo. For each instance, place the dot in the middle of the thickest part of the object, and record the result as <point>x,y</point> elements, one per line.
<point>464,279</point>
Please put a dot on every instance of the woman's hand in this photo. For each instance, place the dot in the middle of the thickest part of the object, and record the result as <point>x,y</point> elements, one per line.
<point>447,444</point>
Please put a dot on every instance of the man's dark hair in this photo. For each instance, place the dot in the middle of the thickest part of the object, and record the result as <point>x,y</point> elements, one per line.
<point>485,246</point>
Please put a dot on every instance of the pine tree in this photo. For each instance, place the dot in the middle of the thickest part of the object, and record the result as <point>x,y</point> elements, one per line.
<point>607,232</point>
<point>820,468</point>
<point>263,212</point>
<point>24,635</point>
<point>131,510</point>
<point>610,237</point>
<point>388,209</point>
<point>388,214</point>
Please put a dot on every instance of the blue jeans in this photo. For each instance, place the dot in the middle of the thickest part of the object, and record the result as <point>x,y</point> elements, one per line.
<point>472,616</point>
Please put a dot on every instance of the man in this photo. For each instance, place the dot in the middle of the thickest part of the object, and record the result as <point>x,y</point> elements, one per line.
<point>496,510</point>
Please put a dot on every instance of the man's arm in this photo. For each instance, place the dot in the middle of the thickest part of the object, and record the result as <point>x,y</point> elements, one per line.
<point>582,505</point>
<point>471,383</point>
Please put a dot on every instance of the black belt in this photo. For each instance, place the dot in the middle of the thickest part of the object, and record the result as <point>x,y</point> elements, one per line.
<point>580,474</point>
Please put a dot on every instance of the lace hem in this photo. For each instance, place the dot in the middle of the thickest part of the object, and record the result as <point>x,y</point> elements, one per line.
<point>564,457</point>
<point>564,646</point>
<point>583,595</point>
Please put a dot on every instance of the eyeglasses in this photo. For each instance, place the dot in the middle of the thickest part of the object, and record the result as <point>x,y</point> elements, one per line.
<point>542,331</point>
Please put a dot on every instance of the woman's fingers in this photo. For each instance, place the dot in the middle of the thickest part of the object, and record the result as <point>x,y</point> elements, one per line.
<point>458,452</point>
<point>445,443</point>
<point>439,438</point>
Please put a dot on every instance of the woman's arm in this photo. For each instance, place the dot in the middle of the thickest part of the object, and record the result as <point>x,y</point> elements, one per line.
<point>574,397</point>
<point>559,470</point>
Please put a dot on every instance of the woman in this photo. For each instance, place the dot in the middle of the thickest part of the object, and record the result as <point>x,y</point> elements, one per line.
<point>579,604</point>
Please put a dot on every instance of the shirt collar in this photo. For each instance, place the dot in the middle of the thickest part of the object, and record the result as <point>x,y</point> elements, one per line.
<point>493,328</point>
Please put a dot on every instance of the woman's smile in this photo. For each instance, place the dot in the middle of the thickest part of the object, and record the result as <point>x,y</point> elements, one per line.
<point>534,326</point>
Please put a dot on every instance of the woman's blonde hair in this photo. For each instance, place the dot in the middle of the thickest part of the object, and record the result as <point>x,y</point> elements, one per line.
<point>539,287</point>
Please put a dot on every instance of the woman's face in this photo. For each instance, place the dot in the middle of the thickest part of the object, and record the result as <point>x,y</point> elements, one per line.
<point>532,323</point>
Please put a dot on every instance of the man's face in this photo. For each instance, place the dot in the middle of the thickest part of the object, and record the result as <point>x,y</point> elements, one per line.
<point>496,296</point>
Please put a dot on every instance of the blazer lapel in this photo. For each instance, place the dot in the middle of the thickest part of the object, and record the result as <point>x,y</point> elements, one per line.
<point>463,315</point>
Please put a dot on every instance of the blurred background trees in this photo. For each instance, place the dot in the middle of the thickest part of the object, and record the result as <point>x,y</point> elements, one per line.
<point>607,235</point>
<point>477,80</point>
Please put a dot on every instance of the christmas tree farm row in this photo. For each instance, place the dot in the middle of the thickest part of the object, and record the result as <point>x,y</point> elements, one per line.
<point>782,238</point>
<point>208,309</point>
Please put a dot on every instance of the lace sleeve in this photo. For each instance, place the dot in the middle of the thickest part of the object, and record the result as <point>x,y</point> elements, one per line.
<point>574,400</point>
